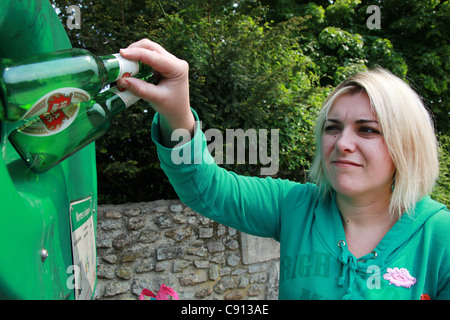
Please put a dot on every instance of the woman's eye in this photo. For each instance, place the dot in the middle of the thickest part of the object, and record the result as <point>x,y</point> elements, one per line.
<point>368,130</point>
<point>331,128</point>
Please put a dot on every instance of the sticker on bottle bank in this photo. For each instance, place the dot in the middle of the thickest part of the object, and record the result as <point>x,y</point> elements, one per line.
<point>83,248</point>
<point>62,107</point>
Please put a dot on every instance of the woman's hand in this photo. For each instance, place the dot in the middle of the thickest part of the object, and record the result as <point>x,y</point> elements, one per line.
<point>170,97</point>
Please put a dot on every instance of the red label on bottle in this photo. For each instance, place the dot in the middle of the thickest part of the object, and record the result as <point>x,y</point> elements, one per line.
<point>58,101</point>
<point>53,121</point>
<point>55,100</point>
<point>61,107</point>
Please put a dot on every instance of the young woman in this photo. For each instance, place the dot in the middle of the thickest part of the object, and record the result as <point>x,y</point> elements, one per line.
<point>365,229</point>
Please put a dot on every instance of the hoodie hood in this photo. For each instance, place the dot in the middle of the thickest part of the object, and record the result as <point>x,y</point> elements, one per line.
<point>329,226</point>
<point>405,228</point>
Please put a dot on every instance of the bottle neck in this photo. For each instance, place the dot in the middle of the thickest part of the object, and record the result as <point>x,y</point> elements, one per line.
<point>112,66</point>
<point>146,73</point>
<point>114,100</point>
<point>118,67</point>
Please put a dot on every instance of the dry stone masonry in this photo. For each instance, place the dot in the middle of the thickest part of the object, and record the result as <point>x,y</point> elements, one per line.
<point>144,245</point>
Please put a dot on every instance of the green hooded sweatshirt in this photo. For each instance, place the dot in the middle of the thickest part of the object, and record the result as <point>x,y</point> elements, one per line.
<point>411,262</point>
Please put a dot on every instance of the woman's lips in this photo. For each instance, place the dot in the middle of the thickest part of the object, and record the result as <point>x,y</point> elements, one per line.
<point>345,163</point>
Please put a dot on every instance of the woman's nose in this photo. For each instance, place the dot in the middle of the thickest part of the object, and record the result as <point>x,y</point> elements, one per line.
<point>346,142</point>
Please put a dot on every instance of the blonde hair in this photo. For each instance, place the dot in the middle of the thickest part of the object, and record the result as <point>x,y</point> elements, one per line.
<point>408,132</point>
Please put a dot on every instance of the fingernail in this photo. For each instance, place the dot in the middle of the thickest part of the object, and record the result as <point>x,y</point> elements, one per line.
<point>124,51</point>
<point>123,83</point>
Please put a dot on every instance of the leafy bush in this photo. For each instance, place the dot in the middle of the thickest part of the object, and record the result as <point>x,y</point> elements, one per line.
<point>441,191</point>
<point>240,67</point>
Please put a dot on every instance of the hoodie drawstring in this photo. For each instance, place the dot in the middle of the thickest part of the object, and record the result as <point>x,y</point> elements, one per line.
<point>349,267</point>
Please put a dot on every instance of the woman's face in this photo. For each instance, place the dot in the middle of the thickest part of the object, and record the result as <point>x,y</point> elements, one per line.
<point>356,158</point>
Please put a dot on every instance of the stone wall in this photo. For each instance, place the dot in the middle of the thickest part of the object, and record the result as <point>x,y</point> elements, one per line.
<point>144,245</point>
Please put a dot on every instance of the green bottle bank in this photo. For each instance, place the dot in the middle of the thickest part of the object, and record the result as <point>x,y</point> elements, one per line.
<point>48,220</point>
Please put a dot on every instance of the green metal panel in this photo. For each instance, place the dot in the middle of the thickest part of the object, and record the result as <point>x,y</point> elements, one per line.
<point>35,209</point>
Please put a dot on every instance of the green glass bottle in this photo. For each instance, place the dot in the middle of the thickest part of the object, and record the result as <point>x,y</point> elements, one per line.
<point>45,141</point>
<point>29,85</point>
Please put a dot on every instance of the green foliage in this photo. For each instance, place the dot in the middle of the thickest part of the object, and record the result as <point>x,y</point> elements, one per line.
<point>442,188</point>
<point>240,66</point>
<point>261,65</point>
